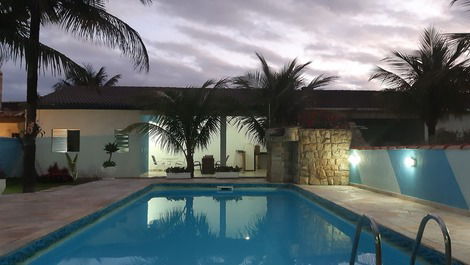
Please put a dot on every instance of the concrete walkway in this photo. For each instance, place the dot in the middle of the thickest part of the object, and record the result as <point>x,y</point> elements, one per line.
<point>402,216</point>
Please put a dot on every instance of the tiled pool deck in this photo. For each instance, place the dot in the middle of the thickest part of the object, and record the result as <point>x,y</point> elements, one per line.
<point>402,216</point>
<point>26,217</point>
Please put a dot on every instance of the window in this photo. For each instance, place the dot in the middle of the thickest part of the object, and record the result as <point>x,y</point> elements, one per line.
<point>65,140</point>
<point>122,140</point>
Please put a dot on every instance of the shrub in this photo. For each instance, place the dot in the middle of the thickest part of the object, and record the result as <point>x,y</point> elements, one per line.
<point>176,170</point>
<point>109,164</point>
<point>110,148</point>
<point>56,174</point>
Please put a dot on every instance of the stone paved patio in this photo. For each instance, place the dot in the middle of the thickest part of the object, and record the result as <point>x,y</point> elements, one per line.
<point>402,216</point>
<point>26,217</point>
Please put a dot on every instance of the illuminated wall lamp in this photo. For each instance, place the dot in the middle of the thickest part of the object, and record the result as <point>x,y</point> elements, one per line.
<point>354,159</point>
<point>410,161</point>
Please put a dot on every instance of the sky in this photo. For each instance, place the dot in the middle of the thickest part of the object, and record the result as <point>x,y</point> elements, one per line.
<point>190,41</point>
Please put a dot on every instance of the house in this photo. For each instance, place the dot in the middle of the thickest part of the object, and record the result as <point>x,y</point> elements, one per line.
<point>84,119</point>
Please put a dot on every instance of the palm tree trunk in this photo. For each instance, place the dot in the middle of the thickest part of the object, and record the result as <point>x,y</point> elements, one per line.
<point>31,130</point>
<point>190,163</point>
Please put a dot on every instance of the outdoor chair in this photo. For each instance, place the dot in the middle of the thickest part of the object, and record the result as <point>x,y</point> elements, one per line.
<point>219,163</point>
<point>198,164</point>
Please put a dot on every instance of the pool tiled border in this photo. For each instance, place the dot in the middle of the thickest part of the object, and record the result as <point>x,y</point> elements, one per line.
<point>391,236</point>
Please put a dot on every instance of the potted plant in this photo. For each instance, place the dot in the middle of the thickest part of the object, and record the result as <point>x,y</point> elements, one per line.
<point>109,166</point>
<point>227,172</point>
<point>72,164</point>
<point>178,173</point>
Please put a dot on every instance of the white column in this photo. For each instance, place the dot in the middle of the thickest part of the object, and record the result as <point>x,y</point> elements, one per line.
<point>223,140</point>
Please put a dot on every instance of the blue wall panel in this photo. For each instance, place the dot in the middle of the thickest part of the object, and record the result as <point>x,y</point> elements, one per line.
<point>11,157</point>
<point>432,179</point>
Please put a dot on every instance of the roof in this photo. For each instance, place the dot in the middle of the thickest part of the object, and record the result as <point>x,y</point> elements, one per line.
<point>126,97</point>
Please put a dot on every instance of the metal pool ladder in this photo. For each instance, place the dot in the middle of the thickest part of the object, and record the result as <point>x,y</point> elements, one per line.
<point>375,230</point>
<point>445,233</point>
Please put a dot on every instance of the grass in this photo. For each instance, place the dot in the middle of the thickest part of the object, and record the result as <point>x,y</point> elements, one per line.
<point>15,185</point>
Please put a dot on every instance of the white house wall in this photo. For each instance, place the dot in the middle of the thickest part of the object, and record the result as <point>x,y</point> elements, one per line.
<point>235,141</point>
<point>96,129</point>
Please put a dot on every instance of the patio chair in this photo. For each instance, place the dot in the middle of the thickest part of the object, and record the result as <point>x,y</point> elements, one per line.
<point>198,164</point>
<point>219,163</point>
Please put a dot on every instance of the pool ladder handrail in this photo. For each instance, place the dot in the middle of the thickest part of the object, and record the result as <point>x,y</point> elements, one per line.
<point>378,241</point>
<point>445,233</point>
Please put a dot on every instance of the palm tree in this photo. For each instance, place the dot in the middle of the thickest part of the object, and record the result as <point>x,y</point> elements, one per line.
<point>461,36</point>
<point>431,80</point>
<point>83,18</point>
<point>14,34</point>
<point>280,100</point>
<point>184,120</point>
<point>88,77</point>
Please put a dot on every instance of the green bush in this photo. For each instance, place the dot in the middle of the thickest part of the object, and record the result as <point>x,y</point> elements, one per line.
<point>177,170</point>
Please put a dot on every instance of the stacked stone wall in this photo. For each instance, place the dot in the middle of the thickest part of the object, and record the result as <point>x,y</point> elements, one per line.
<point>323,156</point>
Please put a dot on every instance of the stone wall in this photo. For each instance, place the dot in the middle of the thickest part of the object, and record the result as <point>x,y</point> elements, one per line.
<point>283,156</point>
<point>323,156</point>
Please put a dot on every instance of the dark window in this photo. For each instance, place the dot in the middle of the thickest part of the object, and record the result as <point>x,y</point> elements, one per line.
<point>73,140</point>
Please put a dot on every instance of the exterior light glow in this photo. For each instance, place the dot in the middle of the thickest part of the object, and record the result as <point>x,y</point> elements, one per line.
<point>410,161</point>
<point>354,159</point>
<point>247,238</point>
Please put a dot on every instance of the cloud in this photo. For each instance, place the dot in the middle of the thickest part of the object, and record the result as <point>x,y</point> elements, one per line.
<point>192,41</point>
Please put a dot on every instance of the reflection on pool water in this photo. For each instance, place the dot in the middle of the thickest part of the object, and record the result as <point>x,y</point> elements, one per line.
<point>200,226</point>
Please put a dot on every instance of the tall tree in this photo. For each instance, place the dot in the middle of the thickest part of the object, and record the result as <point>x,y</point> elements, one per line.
<point>87,19</point>
<point>430,80</point>
<point>88,77</point>
<point>14,37</point>
<point>184,121</point>
<point>280,100</point>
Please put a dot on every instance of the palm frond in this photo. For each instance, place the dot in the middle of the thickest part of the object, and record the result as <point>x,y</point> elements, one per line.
<point>87,76</point>
<point>160,128</point>
<point>430,80</point>
<point>254,126</point>
<point>89,20</point>
<point>321,81</point>
<point>112,81</point>
<point>460,2</point>
<point>392,80</point>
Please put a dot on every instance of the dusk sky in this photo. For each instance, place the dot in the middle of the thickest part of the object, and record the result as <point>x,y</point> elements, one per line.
<point>192,41</point>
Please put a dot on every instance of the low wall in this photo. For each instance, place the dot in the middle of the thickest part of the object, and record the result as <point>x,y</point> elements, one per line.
<point>441,173</point>
<point>11,157</point>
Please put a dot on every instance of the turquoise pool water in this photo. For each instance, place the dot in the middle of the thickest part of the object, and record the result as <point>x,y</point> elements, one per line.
<point>186,226</point>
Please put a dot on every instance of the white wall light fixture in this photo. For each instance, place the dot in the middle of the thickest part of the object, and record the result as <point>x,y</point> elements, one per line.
<point>410,161</point>
<point>354,159</point>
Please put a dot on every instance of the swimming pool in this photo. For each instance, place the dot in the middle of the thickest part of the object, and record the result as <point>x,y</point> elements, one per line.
<point>181,225</point>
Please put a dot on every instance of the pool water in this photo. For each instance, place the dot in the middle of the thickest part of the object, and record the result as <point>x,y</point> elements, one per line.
<point>262,226</point>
